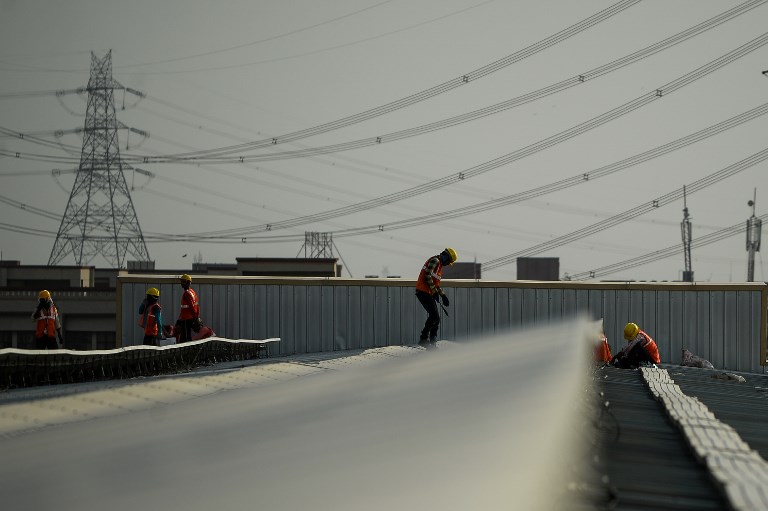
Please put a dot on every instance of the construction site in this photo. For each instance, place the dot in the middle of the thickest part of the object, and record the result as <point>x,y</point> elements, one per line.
<point>401,307</point>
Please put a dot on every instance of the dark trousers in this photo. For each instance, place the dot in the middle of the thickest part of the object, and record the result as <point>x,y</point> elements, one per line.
<point>46,343</point>
<point>433,316</point>
<point>185,329</point>
<point>634,358</point>
<point>150,340</point>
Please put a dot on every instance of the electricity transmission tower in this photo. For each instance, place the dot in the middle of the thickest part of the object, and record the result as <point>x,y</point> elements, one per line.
<point>319,245</point>
<point>100,218</point>
<point>686,230</point>
<point>754,228</point>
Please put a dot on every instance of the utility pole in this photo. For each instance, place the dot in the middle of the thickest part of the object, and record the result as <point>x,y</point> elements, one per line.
<point>100,218</point>
<point>686,229</point>
<point>754,228</point>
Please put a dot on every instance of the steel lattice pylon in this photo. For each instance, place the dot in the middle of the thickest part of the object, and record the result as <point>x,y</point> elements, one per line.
<point>100,218</point>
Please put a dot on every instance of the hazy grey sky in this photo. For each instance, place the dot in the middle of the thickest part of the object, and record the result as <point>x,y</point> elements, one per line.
<point>245,71</point>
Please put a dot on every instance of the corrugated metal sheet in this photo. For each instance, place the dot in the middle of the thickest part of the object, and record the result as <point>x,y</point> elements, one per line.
<point>648,464</point>
<point>725,323</point>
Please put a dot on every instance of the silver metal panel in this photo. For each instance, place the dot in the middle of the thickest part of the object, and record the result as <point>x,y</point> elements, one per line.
<point>703,311</point>
<point>411,320</point>
<point>573,303</point>
<point>743,315</point>
<point>341,318</point>
<point>247,316</point>
<point>475,319</point>
<point>261,329</point>
<point>516,310</point>
<point>287,321</point>
<point>721,325</point>
<point>716,329</point>
<point>596,303</point>
<point>325,306</point>
<point>354,309</point>
<point>662,331</point>
<point>555,304</point>
<point>528,308</point>
<point>675,327</point>
<point>541,306</point>
<point>296,312</point>
<point>611,322</point>
<point>502,309</point>
<point>732,329</point>
<point>460,322</point>
<point>691,338</point>
<point>649,312</point>
<point>381,316</point>
<point>367,314</point>
<point>755,332</point>
<point>487,297</point>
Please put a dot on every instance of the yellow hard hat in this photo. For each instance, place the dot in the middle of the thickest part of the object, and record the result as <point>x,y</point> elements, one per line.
<point>186,277</point>
<point>153,291</point>
<point>453,254</point>
<point>45,294</point>
<point>630,331</point>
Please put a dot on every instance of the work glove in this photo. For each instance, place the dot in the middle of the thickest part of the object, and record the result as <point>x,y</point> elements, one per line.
<point>446,301</point>
<point>436,296</point>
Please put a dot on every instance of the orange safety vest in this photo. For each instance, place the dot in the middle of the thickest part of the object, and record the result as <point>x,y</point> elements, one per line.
<point>148,319</point>
<point>190,308</point>
<point>650,346</point>
<point>422,284</point>
<point>46,323</point>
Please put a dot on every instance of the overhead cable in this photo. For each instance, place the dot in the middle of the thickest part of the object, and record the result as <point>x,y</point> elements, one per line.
<point>234,154</point>
<point>642,209</point>
<point>663,253</point>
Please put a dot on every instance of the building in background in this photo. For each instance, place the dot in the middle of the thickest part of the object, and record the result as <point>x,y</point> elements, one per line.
<point>85,295</point>
<point>461,270</point>
<point>538,268</point>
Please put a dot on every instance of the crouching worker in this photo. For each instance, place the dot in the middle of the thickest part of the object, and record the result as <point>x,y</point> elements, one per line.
<point>640,348</point>
<point>151,317</point>
<point>201,331</point>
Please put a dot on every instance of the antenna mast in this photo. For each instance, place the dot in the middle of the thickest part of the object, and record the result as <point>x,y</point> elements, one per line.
<point>754,228</point>
<point>686,229</point>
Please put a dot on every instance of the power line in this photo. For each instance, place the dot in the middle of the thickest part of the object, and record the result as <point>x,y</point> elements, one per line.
<point>227,154</point>
<point>631,213</point>
<point>664,253</point>
<point>519,154</point>
<point>431,92</point>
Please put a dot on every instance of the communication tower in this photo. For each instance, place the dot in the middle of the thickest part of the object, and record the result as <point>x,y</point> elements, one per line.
<point>686,230</point>
<point>754,228</point>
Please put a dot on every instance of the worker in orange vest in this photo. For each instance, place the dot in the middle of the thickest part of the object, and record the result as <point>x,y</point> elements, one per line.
<point>48,326</point>
<point>429,293</point>
<point>190,310</point>
<point>640,349</point>
<point>151,317</point>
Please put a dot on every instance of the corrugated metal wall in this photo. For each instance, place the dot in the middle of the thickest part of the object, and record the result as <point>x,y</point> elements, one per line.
<point>724,323</point>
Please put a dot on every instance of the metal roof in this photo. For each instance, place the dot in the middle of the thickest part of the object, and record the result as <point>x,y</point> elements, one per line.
<point>646,456</point>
